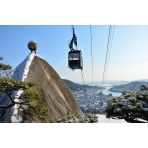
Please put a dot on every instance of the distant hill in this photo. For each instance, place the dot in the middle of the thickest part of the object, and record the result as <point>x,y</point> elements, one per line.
<point>129,87</point>
<point>76,87</point>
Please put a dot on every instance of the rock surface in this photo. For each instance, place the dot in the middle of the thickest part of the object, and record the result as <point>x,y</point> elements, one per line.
<point>55,93</point>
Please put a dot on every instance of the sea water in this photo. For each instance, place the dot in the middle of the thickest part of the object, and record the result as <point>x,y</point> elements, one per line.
<point>107,85</point>
<point>107,92</point>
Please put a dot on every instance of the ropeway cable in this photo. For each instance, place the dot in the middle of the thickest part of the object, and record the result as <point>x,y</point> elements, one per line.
<point>108,52</point>
<point>91,52</point>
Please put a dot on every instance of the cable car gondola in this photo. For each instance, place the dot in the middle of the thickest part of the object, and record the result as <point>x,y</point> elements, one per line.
<point>75,60</point>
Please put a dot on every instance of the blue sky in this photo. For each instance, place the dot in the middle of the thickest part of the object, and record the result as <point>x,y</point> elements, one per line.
<point>128,59</point>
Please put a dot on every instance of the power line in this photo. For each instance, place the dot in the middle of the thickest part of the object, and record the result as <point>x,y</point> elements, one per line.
<point>106,55</point>
<point>85,94</point>
<point>82,77</point>
<point>110,46</point>
<point>91,52</point>
<point>108,52</point>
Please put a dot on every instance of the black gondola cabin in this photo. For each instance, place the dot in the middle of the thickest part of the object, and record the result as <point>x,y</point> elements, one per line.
<point>75,60</point>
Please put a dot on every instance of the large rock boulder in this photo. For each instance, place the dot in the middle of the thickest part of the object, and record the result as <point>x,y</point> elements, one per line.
<point>55,93</point>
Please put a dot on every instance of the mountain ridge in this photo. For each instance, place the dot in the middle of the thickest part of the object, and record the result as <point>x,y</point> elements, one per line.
<point>76,87</point>
<point>132,86</point>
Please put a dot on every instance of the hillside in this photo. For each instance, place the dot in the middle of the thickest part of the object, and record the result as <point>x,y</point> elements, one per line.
<point>133,86</point>
<point>54,93</point>
<point>76,87</point>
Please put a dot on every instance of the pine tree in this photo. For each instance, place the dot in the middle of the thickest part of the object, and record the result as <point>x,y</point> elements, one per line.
<point>7,85</point>
<point>130,106</point>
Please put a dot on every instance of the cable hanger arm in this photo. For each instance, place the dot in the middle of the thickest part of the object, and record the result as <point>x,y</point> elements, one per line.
<point>73,40</point>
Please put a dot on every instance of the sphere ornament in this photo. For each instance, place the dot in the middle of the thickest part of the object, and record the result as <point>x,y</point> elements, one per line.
<point>32,45</point>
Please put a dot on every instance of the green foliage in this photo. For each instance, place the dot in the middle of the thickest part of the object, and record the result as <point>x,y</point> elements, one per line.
<point>5,70</point>
<point>34,96</point>
<point>131,106</point>
<point>40,111</point>
<point>4,66</point>
<point>7,85</point>
<point>36,108</point>
<point>88,118</point>
<point>91,118</point>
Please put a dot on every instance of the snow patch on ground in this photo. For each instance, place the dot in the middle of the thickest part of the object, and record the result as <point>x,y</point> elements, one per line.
<point>102,119</point>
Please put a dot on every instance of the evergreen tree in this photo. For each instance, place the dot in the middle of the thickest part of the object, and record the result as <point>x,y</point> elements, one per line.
<point>4,66</point>
<point>131,106</point>
<point>4,69</point>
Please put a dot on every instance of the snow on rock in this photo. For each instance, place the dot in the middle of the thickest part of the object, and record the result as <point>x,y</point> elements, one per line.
<point>16,118</point>
<point>22,70</point>
<point>20,73</point>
